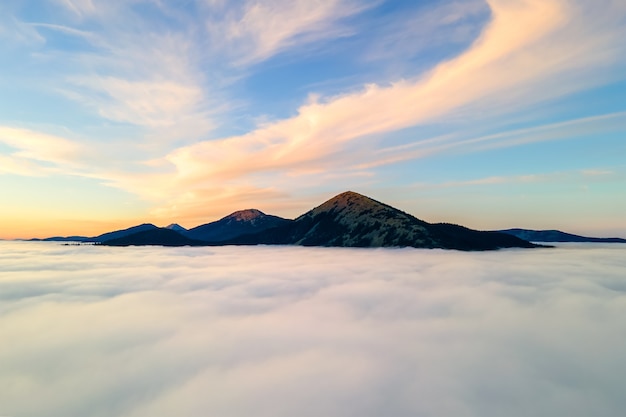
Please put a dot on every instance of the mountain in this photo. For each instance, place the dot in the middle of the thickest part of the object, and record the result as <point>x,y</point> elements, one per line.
<point>123,233</point>
<point>353,220</point>
<point>157,236</point>
<point>557,236</point>
<point>64,239</point>
<point>236,224</point>
<point>103,237</point>
<point>346,220</point>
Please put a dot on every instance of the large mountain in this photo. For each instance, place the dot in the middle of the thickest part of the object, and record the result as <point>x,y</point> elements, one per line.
<point>557,236</point>
<point>353,220</point>
<point>236,224</point>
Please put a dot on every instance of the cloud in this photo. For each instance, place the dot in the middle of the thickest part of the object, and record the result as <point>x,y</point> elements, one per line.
<point>159,80</point>
<point>574,177</point>
<point>121,62</point>
<point>153,104</point>
<point>433,27</point>
<point>18,33</point>
<point>530,52</point>
<point>310,331</point>
<point>259,30</point>
<point>80,7</point>
<point>148,80</point>
<point>165,69</point>
<point>36,153</point>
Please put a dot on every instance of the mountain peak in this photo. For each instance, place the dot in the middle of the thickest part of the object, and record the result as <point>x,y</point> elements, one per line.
<point>235,224</point>
<point>176,227</point>
<point>350,201</point>
<point>245,215</point>
<point>350,197</point>
<point>352,219</point>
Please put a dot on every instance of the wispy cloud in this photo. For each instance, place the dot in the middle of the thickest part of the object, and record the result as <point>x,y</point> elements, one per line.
<point>80,7</point>
<point>34,153</point>
<point>167,73</point>
<point>148,103</point>
<point>125,68</point>
<point>258,30</point>
<point>566,130</point>
<point>170,79</point>
<point>576,176</point>
<point>428,28</point>
<point>527,47</point>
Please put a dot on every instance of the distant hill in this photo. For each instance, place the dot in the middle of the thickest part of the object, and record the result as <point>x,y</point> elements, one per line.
<point>353,220</point>
<point>236,224</point>
<point>103,237</point>
<point>64,239</point>
<point>557,236</point>
<point>123,233</point>
<point>157,237</point>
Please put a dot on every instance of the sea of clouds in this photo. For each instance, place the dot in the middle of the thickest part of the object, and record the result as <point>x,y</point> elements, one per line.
<point>311,332</point>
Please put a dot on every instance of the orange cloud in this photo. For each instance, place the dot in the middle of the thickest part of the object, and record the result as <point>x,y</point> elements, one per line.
<point>528,46</point>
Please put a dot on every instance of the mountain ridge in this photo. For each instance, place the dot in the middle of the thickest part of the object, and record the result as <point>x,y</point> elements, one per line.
<point>348,219</point>
<point>557,236</point>
<point>354,220</point>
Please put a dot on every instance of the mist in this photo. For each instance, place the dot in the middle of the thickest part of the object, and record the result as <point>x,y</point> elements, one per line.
<point>293,331</point>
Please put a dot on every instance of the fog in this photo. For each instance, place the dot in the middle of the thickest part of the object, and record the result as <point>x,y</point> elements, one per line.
<point>311,332</point>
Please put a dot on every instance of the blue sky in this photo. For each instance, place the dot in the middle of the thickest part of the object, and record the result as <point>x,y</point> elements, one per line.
<point>493,114</point>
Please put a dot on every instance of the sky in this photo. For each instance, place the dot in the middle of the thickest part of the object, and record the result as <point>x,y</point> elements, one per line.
<point>487,113</point>
<point>149,331</point>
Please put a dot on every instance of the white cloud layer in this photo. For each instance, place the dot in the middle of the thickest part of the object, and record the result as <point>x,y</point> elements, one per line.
<point>281,331</point>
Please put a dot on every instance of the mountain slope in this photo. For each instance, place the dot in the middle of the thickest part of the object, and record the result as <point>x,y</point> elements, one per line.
<point>557,236</point>
<point>353,220</point>
<point>453,236</point>
<point>103,237</point>
<point>156,237</point>
<point>64,239</point>
<point>235,224</point>
<point>123,233</point>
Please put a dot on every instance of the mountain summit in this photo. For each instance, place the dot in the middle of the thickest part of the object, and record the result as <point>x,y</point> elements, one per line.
<point>352,219</point>
<point>235,224</point>
<point>245,215</point>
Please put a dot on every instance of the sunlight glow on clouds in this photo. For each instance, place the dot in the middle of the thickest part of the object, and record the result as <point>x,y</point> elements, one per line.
<point>513,58</point>
<point>271,331</point>
<point>164,100</point>
<point>30,149</point>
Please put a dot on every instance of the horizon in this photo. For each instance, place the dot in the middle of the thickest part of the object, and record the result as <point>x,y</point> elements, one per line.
<point>491,114</point>
<point>237,211</point>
